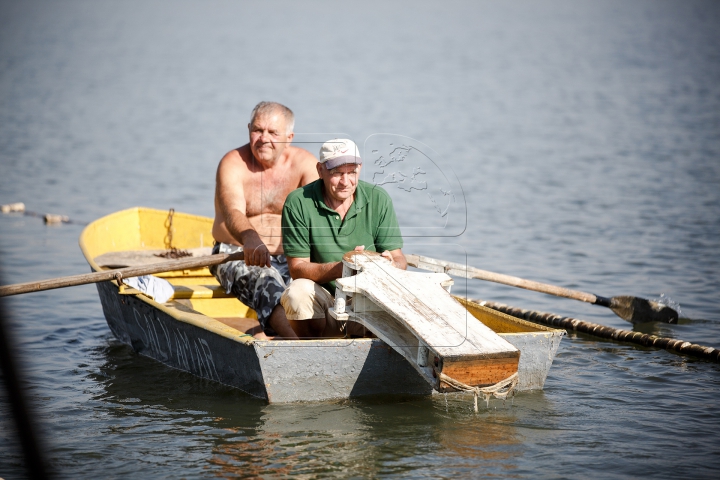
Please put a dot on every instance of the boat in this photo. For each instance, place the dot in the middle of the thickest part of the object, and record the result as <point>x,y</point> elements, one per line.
<point>204,331</point>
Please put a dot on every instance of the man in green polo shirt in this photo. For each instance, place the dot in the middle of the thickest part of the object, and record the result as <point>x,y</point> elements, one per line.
<point>320,223</point>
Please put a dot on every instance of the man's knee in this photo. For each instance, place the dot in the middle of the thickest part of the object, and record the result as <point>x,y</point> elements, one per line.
<point>305,299</point>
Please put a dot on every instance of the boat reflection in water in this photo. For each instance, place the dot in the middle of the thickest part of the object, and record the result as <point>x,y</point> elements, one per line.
<point>368,438</point>
<point>227,432</point>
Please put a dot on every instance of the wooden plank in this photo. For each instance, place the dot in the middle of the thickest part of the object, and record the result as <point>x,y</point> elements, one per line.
<point>420,312</point>
<point>419,301</point>
<point>389,294</point>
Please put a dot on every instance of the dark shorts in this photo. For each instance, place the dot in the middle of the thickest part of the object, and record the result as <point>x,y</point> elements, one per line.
<point>260,288</point>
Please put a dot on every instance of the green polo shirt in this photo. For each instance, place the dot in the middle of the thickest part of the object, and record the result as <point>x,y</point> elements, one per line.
<point>311,229</point>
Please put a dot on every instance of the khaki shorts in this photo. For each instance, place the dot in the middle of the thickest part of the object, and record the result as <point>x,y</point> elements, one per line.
<point>305,299</point>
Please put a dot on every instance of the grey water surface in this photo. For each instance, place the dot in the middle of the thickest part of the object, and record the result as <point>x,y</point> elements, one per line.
<point>571,142</point>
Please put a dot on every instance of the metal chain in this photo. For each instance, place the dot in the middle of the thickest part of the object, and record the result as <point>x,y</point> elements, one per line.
<point>169,226</point>
<point>172,252</point>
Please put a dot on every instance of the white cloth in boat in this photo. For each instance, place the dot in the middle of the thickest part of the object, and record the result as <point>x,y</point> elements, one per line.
<point>157,288</point>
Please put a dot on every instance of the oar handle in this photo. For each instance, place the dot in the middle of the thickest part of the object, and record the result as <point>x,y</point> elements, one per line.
<point>120,273</point>
<point>464,271</point>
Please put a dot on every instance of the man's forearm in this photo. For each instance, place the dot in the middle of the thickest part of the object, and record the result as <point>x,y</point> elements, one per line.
<point>317,272</point>
<point>399,259</point>
<point>240,227</point>
<point>256,252</point>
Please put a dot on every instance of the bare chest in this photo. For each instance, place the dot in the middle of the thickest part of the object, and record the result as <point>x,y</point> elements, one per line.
<point>266,193</point>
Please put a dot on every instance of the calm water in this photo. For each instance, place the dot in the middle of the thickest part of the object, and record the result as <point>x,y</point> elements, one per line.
<point>580,142</point>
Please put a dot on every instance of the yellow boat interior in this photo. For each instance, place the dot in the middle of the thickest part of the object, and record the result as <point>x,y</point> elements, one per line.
<point>137,236</point>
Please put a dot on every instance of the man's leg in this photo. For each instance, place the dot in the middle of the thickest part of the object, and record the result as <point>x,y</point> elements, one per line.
<point>305,304</point>
<point>278,321</point>
<point>311,328</point>
<point>259,288</point>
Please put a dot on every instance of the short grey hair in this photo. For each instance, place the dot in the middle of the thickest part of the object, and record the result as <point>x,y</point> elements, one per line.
<point>264,108</point>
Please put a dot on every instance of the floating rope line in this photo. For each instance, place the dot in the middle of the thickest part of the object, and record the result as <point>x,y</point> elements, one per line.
<point>601,331</point>
<point>48,218</point>
<point>172,252</point>
<point>502,390</point>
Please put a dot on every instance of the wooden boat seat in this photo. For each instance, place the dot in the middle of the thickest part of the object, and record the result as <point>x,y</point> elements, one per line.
<point>415,315</point>
<point>136,258</point>
<point>203,294</point>
<point>211,300</point>
<point>190,292</point>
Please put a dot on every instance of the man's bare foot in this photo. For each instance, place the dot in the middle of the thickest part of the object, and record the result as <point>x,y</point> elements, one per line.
<point>261,336</point>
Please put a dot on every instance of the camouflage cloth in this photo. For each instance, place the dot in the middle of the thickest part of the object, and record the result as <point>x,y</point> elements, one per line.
<point>260,288</point>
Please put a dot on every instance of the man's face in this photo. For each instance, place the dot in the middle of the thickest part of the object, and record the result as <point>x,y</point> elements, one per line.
<point>341,182</point>
<point>269,137</point>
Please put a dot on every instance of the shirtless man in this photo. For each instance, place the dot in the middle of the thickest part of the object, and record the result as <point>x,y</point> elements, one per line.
<point>251,185</point>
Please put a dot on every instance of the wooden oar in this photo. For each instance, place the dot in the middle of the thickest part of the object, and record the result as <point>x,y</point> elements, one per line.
<point>120,273</point>
<point>632,309</point>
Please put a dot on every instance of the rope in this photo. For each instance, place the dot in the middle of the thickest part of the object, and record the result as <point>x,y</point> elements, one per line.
<point>501,390</point>
<point>594,329</point>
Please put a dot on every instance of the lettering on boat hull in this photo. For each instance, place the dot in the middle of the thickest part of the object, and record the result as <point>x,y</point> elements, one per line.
<point>153,333</point>
<point>191,354</point>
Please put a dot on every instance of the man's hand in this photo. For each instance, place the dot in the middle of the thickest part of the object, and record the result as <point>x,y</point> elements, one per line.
<point>256,252</point>
<point>386,254</point>
<point>396,257</point>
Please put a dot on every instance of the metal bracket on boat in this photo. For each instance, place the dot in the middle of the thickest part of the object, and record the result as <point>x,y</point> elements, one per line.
<point>121,285</point>
<point>125,289</point>
<point>131,291</point>
<point>342,299</point>
<point>423,352</point>
<point>338,311</point>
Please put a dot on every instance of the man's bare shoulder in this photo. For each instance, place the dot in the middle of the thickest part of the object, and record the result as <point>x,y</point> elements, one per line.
<point>304,165</point>
<point>300,156</point>
<point>237,158</point>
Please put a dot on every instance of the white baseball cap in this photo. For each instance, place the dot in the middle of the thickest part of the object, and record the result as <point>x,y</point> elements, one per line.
<point>339,151</point>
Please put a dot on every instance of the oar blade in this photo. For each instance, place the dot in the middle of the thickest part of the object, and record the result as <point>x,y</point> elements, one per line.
<point>639,310</point>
